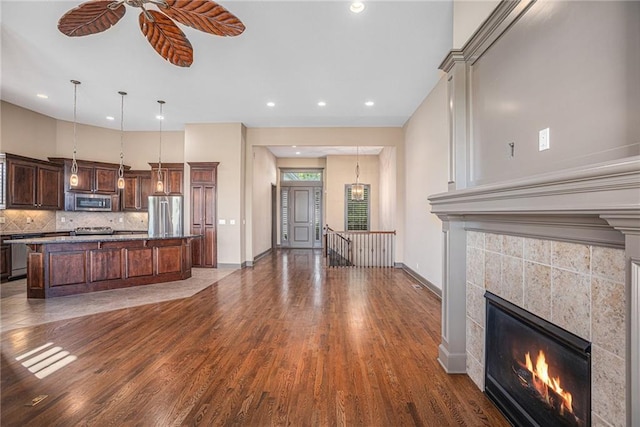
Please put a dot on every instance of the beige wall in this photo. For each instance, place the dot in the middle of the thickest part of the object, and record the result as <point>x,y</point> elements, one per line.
<point>103,145</point>
<point>467,17</point>
<point>388,187</point>
<point>317,163</point>
<point>426,159</point>
<point>341,170</point>
<point>27,133</point>
<point>265,175</point>
<point>324,136</point>
<point>30,134</point>
<point>220,143</point>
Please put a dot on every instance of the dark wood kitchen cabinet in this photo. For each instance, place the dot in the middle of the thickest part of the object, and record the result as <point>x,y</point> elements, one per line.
<point>93,177</point>
<point>33,184</point>
<point>204,251</point>
<point>172,178</point>
<point>137,189</point>
<point>5,259</point>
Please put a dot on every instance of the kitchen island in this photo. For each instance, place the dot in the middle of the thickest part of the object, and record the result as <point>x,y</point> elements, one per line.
<point>68,265</point>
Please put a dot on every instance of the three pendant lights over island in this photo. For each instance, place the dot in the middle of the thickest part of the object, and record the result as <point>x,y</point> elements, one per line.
<point>73,180</point>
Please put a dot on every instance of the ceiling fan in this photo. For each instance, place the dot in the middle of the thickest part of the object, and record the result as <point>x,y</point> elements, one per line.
<point>157,26</point>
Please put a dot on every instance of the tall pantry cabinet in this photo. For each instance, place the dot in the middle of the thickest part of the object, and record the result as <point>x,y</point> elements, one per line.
<point>204,251</point>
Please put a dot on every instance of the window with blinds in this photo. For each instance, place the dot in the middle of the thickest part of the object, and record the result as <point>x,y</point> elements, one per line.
<point>284,204</point>
<point>3,181</point>
<point>356,211</point>
<point>317,213</point>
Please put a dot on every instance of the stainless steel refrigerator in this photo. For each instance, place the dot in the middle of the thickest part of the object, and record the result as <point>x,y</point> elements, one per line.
<point>165,216</point>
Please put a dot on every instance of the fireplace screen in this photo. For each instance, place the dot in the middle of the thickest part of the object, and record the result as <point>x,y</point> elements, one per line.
<point>537,373</point>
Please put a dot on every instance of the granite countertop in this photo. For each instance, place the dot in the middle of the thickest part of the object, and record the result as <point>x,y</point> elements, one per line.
<point>37,233</point>
<point>94,238</point>
<point>29,233</point>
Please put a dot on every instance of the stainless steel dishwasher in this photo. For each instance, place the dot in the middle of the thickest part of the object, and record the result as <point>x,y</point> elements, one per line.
<point>18,257</point>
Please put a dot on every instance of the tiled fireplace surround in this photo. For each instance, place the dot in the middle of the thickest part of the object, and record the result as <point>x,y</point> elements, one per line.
<point>575,286</point>
<point>564,246</point>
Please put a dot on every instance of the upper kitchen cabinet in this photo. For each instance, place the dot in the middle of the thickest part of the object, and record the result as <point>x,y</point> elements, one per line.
<point>93,177</point>
<point>137,189</point>
<point>172,178</point>
<point>33,184</point>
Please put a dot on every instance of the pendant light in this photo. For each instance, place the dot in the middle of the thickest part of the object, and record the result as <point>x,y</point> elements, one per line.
<point>73,179</point>
<point>121,168</point>
<point>160,183</point>
<point>357,189</point>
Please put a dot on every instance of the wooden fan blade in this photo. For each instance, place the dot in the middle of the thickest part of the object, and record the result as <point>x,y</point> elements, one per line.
<point>204,15</point>
<point>167,39</point>
<point>90,18</point>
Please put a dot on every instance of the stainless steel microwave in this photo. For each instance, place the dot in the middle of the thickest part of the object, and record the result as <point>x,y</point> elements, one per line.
<point>93,202</point>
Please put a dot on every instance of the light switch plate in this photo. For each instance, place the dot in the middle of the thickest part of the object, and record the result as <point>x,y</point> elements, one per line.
<point>222,221</point>
<point>543,140</point>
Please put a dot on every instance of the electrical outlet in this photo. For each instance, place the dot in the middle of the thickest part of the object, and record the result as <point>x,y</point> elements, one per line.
<point>121,220</point>
<point>2,220</point>
<point>29,220</point>
<point>63,219</point>
<point>232,222</point>
<point>544,142</point>
<point>222,221</point>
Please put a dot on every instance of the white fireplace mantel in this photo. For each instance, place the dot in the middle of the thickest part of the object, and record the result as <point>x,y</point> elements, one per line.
<point>608,190</point>
<point>597,204</point>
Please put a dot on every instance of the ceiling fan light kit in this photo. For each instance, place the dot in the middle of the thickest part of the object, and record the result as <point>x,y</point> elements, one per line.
<point>157,26</point>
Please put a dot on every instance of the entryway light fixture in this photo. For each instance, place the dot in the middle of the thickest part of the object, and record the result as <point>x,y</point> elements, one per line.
<point>160,182</point>
<point>73,179</point>
<point>357,189</point>
<point>121,168</point>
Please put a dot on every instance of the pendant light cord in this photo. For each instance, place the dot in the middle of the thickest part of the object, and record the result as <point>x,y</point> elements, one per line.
<point>161,118</point>
<point>357,164</point>
<point>74,164</point>
<point>121,169</point>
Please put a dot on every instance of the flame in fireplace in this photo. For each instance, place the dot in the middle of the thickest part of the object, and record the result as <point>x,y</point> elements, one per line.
<point>542,381</point>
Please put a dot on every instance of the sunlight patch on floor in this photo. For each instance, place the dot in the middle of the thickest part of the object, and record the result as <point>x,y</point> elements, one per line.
<point>44,361</point>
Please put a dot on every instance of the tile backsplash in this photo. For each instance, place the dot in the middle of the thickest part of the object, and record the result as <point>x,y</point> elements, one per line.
<point>17,221</point>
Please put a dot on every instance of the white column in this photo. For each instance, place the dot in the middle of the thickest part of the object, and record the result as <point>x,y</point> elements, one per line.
<point>629,225</point>
<point>459,139</point>
<point>633,364</point>
<point>452,350</point>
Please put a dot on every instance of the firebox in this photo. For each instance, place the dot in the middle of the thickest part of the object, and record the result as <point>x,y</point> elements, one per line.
<point>537,373</point>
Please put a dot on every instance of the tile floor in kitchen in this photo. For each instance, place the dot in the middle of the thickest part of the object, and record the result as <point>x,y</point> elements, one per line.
<point>17,311</point>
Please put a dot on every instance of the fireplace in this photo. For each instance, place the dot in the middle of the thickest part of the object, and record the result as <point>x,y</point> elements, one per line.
<point>537,373</point>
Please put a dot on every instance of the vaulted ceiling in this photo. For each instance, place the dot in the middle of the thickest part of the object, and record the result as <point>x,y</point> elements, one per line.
<point>292,53</point>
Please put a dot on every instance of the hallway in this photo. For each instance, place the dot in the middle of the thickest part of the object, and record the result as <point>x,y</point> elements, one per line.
<point>288,342</point>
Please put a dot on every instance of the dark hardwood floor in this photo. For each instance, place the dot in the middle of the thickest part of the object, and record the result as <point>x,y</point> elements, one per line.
<point>288,342</point>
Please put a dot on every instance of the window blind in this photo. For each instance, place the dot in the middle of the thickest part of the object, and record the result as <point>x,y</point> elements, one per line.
<point>357,211</point>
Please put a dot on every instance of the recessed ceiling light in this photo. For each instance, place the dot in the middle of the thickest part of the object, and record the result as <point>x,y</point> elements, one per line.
<point>321,103</point>
<point>159,117</point>
<point>297,152</point>
<point>271,104</point>
<point>369,103</point>
<point>110,118</point>
<point>293,146</point>
<point>43,96</point>
<point>356,7</point>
